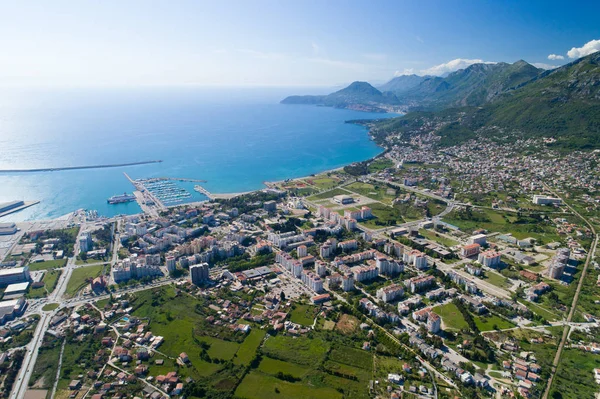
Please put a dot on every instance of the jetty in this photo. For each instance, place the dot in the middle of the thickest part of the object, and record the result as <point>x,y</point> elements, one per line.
<point>15,206</point>
<point>112,165</point>
<point>204,191</point>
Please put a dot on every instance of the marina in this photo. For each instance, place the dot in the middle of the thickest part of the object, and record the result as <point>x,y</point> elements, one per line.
<point>166,191</point>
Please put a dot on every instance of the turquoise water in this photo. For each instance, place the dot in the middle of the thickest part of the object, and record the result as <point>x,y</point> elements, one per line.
<point>234,138</point>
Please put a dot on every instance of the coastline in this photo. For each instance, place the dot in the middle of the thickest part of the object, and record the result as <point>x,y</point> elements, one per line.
<point>297,171</point>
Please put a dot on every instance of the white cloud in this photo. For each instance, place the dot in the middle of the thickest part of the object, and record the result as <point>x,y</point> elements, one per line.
<point>590,47</point>
<point>406,71</point>
<point>543,65</point>
<point>555,57</point>
<point>451,66</point>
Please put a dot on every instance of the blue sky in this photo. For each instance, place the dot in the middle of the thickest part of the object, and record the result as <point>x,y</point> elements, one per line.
<point>279,43</point>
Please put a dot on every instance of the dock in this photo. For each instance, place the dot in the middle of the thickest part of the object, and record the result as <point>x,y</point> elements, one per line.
<point>148,202</point>
<point>204,191</point>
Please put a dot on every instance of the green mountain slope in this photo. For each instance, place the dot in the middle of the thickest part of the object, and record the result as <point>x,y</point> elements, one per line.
<point>563,104</point>
<point>472,86</point>
<point>401,84</point>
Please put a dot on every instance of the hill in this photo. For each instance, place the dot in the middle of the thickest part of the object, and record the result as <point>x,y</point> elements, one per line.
<point>563,104</point>
<point>356,94</point>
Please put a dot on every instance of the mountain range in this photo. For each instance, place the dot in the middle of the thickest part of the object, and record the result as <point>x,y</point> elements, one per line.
<point>563,103</point>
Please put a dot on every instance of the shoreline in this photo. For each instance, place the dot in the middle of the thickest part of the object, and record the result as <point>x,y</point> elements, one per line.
<point>221,195</point>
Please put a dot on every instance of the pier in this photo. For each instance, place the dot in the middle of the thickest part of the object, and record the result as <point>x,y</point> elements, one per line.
<point>148,202</point>
<point>204,191</point>
<point>114,165</point>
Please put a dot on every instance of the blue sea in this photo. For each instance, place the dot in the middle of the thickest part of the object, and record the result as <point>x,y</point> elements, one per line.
<point>235,139</point>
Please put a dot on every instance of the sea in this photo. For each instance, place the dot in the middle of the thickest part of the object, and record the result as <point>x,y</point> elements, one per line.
<point>234,138</point>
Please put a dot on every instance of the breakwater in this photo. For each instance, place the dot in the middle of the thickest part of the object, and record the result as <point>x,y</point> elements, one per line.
<point>113,165</point>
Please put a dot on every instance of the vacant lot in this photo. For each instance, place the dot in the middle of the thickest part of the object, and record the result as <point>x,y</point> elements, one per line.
<point>301,350</point>
<point>347,324</point>
<point>451,316</point>
<point>248,348</point>
<point>329,194</point>
<point>303,314</point>
<point>492,322</point>
<point>47,265</point>
<point>80,277</point>
<point>257,385</point>
<point>273,366</point>
<point>352,357</point>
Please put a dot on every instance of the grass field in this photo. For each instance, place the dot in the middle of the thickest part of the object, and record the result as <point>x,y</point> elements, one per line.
<point>430,235</point>
<point>173,318</point>
<point>50,306</point>
<point>303,314</point>
<point>497,279</point>
<point>261,386</point>
<point>352,357</point>
<point>301,350</point>
<point>80,276</point>
<point>50,279</point>
<point>329,194</point>
<point>384,216</point>
<point>47,265</point>
<point>451,316</point>
<point>44,371</point>
<point>219,348</point>
<point>575,374</point>
<point>376,192</point>
<point>273,366</point>
<point>492,322</point>
<point>503,222</point>
<point>247,349</point>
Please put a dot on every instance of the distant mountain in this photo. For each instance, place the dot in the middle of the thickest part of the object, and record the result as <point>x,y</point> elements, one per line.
<point>401,84</point>
<point>472,86</point>
<point>359,95</point>
<point>563,104</point>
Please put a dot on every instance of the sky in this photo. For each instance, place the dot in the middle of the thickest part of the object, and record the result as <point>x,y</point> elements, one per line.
<point>280,43</point>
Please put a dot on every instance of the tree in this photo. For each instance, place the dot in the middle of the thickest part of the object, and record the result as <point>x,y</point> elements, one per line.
<point>282,296</point>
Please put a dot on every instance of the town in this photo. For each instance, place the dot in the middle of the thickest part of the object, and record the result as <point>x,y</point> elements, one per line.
<point>390,278</point>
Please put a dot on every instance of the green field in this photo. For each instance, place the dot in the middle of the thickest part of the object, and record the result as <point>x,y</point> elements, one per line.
<point>451,316</point>
<point>301,350</point>
<point>497,279</point>
<point>47,265</point>
<point>322,182</point>
<point>220,349</point>
<point>575,374</point>
<point>384,216</point>
<point>44,371</point>
<point>80,276</point>
<point>352,357</point>
<point>432,236</point>
<point>504,222</point>
<point>273,366</point>
<point>261,386</point>
<point>248,348</point>
<point>303,314</point>
<point>50,306</point>
<point>329,194</point>
<point>491,322</point>
<point>50,279</point>
<point>377,192</point>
